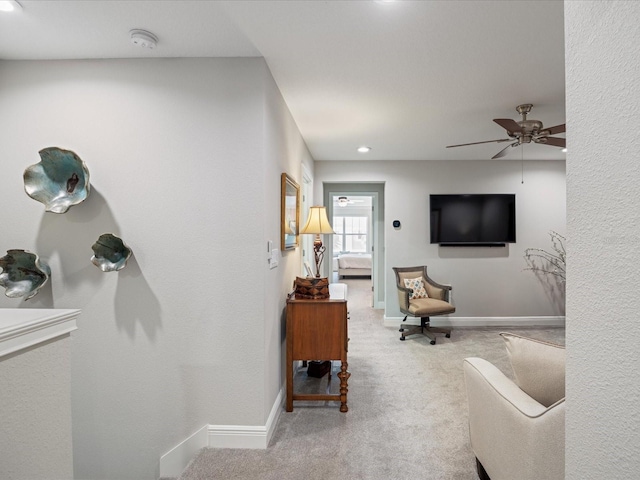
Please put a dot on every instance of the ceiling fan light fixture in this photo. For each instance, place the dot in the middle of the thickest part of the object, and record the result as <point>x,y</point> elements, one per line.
<point>9,6</point>
<point>342,201</point>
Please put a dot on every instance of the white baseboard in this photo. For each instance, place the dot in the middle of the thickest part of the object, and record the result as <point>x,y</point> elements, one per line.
<point>176,460</point>
<point>453,322</point>
<point>242,436</point>
<point>173,463</point>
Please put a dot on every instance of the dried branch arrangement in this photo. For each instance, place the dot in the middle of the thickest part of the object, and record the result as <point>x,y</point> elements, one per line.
<point>551,263</point>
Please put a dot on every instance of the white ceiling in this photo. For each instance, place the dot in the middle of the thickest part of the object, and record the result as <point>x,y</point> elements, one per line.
<point>406,78</point>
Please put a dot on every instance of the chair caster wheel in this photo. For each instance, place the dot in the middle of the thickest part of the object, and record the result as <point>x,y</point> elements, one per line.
<point>402,339</point>
<point>432,342</point>
<point>448,335</point>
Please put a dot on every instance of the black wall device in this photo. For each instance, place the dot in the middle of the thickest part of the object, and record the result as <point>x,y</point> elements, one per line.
<point>396,224</point>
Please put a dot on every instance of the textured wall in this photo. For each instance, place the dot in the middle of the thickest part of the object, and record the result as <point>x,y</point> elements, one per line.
<point>284,151</point>
<point>488,282</point>
<point>603,211</point>
<point>35,413</point>
<point>184,168</point>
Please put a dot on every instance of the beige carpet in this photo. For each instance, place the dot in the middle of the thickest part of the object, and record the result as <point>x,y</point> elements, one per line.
<point>407,414</point>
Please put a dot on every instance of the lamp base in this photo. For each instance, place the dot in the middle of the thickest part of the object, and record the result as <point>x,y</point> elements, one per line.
<point>311,288</point>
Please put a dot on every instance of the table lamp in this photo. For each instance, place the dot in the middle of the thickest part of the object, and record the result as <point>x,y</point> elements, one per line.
<point>318,224</point>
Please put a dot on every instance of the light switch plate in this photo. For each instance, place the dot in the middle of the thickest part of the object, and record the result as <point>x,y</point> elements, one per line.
<point>274,258</point>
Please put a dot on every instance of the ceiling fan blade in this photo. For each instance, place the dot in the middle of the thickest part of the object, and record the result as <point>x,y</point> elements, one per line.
<point>553,141</point>
<point>478,143</point>
<point>557,129</point>
<point>503,152</point>
<point>508,124</point>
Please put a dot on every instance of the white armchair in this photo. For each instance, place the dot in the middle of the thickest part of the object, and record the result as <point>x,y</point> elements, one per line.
<point>517,429</point>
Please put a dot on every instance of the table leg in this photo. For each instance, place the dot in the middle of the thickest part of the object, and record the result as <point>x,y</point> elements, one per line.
<point>289,402</point>
<point>343,376</point>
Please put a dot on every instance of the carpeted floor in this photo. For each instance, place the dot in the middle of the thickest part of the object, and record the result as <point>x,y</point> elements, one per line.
<point>407,414</point>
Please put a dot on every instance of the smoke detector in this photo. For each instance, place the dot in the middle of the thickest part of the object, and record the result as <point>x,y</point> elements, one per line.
<point>143,39</point>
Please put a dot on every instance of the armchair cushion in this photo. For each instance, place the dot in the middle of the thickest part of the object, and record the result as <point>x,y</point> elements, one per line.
<point>538,367</point>
<point>425,307</point>
<point>417,286</point>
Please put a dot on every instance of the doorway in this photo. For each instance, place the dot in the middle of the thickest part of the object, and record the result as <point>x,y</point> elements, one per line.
<point>356,211</point>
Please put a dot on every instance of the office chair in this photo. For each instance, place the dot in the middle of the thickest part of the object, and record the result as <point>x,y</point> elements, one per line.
<point>421,297</point>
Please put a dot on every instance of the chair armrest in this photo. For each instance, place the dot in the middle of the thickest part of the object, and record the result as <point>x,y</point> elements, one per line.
<point>437,290</point>
<point>512,434</point>
<point>403,297</point>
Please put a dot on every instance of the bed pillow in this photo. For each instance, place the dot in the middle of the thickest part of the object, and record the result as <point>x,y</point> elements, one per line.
<point>417,286</point>
<point>538,367</point>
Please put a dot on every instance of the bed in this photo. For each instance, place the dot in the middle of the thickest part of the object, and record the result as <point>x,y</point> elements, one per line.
<point>353,265</point>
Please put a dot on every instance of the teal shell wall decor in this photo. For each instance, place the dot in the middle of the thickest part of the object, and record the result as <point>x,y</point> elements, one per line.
<point>23,273</point>
<point>59,181</point>
<point>110,253</point>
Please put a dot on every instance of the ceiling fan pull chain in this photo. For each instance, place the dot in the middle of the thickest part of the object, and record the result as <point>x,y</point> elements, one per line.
<point>522,162</point>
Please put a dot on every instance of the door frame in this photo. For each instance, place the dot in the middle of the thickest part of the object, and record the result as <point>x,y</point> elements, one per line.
<point>376,191</point>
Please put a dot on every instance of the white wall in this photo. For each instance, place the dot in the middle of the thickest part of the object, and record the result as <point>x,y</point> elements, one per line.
<point>487,282</point>
<point>603,182</point>
<point>285,151</point>
<point>35,423</point>
<point>185,166</point>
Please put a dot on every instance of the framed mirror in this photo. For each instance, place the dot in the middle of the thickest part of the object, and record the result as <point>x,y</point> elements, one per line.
<point>290,213</point>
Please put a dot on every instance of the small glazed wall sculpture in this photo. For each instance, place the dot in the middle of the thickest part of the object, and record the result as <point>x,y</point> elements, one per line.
<point>59,181</point>
<point>23,273</point>
<point>110,253</point>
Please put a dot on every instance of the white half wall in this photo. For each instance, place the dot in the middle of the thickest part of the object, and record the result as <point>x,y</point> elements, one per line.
<point>185,157</point>
<point>487,282</point>
<point>35,418</point>
<point>603,182</point>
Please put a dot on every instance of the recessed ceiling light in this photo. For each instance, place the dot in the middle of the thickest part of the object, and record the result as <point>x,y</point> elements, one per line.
<point>364,149</point>
<point>9,6</point>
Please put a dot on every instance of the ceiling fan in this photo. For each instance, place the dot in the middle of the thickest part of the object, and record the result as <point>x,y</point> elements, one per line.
<point>524,131</point>
<point>343,201</point>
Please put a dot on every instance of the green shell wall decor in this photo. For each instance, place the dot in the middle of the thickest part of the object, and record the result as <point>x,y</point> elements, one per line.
<point>23,273</point>
<point>59,181</point>
<point>110,253</point>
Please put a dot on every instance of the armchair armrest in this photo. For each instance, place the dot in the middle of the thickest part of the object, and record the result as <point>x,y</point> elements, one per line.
<point>403,297</point>
<point>512,434</point>
<point>437,290</point>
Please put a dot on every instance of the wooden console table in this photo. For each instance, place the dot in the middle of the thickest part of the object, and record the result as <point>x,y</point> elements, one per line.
<point>317,330</point>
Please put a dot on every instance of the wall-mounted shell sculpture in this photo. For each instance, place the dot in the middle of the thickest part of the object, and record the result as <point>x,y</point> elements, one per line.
<point>110,253</point>
<point>23,273</point>
<point>59,181</point>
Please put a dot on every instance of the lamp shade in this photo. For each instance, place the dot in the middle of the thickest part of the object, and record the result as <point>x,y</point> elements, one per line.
<point>317,222</point>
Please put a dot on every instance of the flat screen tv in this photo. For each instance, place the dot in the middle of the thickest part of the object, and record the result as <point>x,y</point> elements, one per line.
<point>468,220</point>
